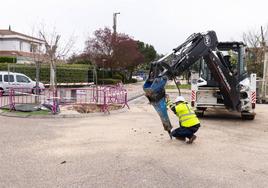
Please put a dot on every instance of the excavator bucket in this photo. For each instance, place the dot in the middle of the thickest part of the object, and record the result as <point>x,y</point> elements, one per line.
<point>155,92</point>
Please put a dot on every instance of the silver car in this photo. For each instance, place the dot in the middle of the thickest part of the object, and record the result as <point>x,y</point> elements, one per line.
<point>19,82</point>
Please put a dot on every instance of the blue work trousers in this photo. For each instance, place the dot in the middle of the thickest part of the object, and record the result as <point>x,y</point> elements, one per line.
<point>185,132</point>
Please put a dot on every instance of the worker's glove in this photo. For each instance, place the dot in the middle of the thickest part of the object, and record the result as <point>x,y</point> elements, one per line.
<point>167,98</point>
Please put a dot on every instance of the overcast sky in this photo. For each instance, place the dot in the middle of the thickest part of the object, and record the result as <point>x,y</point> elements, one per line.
<point>163,23</point>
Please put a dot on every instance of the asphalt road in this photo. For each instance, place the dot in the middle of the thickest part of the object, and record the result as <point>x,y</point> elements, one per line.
<point>130,149</point>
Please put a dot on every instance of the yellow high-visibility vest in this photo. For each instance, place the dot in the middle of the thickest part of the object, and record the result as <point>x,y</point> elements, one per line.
<point>187,116</point>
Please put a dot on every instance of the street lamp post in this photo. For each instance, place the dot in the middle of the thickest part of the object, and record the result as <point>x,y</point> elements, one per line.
<point>115,21</point>
<point>103,61</point>
<point>114,34</point>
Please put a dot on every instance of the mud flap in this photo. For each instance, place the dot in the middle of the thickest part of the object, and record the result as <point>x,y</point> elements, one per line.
<point>155,92</point>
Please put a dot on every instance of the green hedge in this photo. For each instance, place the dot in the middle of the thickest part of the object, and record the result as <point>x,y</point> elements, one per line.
<point>104,74</point>
<point>109,81</point>
<point>65,73</point>
<point>3,66</point>
<point>118,76</point>
<point>133,80</point>
<point>8,59</point>
<point>68,73</point>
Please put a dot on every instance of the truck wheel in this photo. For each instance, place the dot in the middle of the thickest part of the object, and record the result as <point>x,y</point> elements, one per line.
<point>263,102</point>
<point>201,109</point>
<point>248,116</point>
<point>199,113</point>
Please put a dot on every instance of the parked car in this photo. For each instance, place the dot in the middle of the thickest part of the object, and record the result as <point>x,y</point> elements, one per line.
<point>138,78</point>
<point>18,81</point>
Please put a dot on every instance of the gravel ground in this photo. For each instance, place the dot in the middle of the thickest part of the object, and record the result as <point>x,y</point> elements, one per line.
<point>130,149</point>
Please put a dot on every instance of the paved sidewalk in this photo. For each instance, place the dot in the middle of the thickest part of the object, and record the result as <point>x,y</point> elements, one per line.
<point>134,90</point>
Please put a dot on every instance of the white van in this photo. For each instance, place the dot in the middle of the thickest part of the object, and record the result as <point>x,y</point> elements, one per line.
<point>18,81</point>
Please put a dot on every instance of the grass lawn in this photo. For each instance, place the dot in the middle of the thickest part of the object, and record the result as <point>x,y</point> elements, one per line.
<point>40,112</point>
<point>182,86</point>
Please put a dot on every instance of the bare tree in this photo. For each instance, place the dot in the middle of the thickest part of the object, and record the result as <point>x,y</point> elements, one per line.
<point>252,38</point>
<point>55,51</point>
<point>255,42</point>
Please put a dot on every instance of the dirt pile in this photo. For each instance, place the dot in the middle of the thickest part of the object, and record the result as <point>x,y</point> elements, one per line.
<point>92,108</point>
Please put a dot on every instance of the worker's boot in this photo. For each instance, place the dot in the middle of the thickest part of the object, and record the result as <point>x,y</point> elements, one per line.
<point>191,140</point>
<point>180,138</point>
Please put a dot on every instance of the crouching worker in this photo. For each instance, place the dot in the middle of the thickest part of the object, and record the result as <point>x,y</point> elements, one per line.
<point>189,123</point>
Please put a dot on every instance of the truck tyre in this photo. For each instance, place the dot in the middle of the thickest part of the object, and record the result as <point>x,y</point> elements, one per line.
<point>263,101</point>
<point>258,101</point>
<point>201,109</point>
<point>248,116</point>
<point>199,113</point>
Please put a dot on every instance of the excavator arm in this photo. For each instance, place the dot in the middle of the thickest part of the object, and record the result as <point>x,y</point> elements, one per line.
<point>184,56</point>
<point>198,45</point>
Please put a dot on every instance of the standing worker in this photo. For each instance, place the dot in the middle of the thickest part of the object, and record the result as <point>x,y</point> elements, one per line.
<point>189,123</point>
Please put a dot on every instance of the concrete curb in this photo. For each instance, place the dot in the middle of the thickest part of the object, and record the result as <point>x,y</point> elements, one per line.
<point>10,114</point>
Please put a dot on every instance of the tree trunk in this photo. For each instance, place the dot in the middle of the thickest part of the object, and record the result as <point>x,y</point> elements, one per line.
<point>52,75</point>
<point>111,72</point>
<point>37,79</point>
<point>130,74</point>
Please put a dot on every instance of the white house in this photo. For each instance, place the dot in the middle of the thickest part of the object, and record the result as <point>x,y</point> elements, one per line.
<point>25,48</point>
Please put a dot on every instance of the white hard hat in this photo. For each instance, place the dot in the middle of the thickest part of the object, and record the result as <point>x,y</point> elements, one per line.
<point>180,98</point>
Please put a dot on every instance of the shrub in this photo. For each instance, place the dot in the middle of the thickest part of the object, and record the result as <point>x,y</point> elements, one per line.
<point>133,80</point>
<point>103,74</point>
<point>3,66</point>
<point>65,73</point>
<point>117,76</point>
<point>109,81</point>
<point>8,59</point>
<point>68,73</point>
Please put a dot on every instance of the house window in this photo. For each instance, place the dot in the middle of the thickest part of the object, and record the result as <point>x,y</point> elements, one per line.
<point>33,48</point>
<point>21,45</point>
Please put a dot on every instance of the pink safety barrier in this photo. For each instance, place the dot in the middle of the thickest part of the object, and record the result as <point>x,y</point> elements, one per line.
<point>4,100</point>
<point>99,95</point>
<point>13,96</point>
